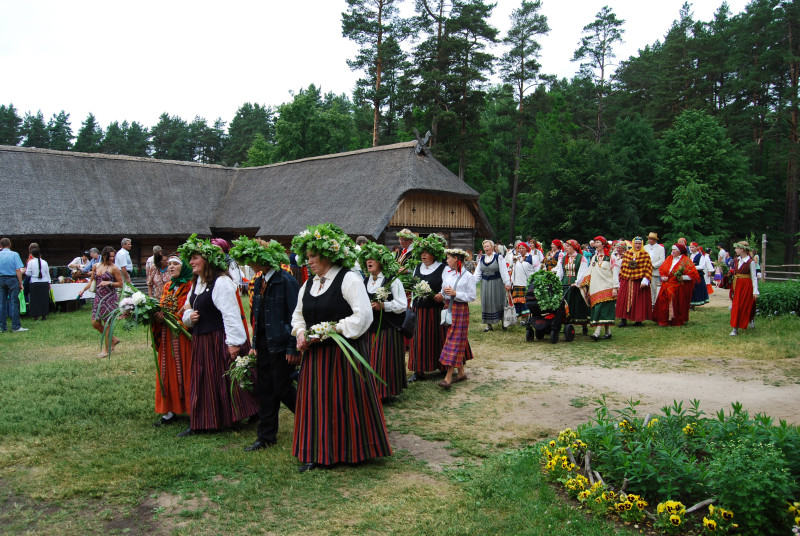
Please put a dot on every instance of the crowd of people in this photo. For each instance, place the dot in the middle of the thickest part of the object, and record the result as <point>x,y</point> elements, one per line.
<point>347,312</point>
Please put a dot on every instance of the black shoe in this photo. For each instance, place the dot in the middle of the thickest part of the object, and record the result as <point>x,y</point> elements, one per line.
<point>637,324</point>
<point>487,328</point>
<point>417,376</point>
<point>310,466</point>
<point>258,445</point>
<point>622,323</point>
<point>164,420</point>
<point>186,433</point>
<point>594,337</point>
<point>606,336</point>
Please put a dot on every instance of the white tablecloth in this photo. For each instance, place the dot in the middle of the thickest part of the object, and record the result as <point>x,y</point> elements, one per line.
<point>69,291</point>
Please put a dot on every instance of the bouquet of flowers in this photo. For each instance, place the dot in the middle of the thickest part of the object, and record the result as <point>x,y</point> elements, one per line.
<point>679,272</point>
<point>382,294</point>
<point>421,290</point>
<point>632,264</point>
<point>241,374</point>
<point>327,330</point>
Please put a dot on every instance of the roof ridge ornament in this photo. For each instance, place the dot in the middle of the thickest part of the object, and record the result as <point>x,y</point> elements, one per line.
<point>422,142</point>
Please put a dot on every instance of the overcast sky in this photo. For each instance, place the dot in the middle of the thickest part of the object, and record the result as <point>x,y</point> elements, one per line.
<point>135,60</point>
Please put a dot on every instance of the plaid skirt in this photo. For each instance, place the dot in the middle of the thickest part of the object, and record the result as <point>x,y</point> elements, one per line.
<point>456,348</point>
<point>428,341</point>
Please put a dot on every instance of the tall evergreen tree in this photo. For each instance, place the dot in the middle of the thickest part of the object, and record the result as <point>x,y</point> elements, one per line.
<point>249,120</point>
<point>171,139</point>
<point>375,26</point>
<point>115,140</point>
<point>60,132</point>
<point>138,140</point>
<point>90,136</point>
<point>10,125</point>
<point>597,48</point>
<point>519,67</point>
<point>35,131</point>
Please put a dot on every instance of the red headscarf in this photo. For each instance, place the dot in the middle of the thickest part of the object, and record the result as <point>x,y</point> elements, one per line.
<point>695,244</point>
<point>558,244</point>
<point>682,248</point>
<point>604,242</point>
<point>527,247</point>
<point>575,246</point>
<point>222,244</point>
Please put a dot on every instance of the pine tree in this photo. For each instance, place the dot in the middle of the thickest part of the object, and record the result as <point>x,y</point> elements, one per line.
<point>249,120</point>
<point>35,131</point>
<point>10,125</point>
<point>90,136</point>
<point>60,132</point>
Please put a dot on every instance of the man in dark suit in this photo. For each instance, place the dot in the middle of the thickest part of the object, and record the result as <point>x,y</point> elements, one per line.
<point>275,294</point>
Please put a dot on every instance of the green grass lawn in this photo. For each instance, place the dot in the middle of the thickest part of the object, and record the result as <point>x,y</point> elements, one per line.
<point>79,454</point>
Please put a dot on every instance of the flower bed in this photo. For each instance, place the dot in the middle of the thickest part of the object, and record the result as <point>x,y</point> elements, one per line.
<point>740,474</point>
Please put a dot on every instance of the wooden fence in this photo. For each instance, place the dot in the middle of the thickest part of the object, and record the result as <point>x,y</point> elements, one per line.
<point>776,272</point>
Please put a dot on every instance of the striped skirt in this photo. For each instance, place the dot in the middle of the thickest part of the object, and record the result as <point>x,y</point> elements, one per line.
<point>175,371</point>
<point>428,341</point>
<point>493,300</point>
<point>388,358</point>
<point>518,299</point>
<point>456,348</point>
<point>211,406</point>
<point>634,301</point>
<point>338,416</point>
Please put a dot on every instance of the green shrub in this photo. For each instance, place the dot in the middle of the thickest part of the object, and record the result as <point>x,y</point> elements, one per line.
<point>778,298</point>
<point>752,478</point>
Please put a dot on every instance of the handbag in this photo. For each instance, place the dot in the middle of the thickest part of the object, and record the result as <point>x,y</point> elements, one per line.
<point>409,326</point>
<point>93,286</point>
<point>509,312</point>
<point>447,314</point>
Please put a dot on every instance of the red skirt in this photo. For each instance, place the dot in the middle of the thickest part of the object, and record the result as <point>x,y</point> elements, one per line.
<point>743,309</point>
<point>428,341</point>
<point>634,301</point>
<point>388,358</point>
<point>211,406</point>
<point>456,348</point>
<point>175,370</point>
<point>672,304</point>
<point>338,417</point>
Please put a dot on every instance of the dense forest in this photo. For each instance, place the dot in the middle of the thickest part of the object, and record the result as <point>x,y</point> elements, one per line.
<point>695,136</point>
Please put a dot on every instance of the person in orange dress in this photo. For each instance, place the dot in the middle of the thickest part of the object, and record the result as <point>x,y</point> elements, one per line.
<point>173,383</point>
<point>744,289</point>
<point>678,277</point>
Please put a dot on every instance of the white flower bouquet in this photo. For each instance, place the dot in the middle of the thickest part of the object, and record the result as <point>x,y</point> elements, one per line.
<point>327,330</point>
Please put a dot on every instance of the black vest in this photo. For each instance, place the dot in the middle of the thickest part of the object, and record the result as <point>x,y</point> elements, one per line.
<point>329,306</point>
<point>210,317</point>
<point>384,319</point>
<point>434,279</point>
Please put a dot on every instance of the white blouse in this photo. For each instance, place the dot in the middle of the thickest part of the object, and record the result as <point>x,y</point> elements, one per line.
<point>224,298</point>
<point>33,271</point>
<point>465,289</point>
<point>521,270</point>
<point>500,261</point>
<point>398,303</point>
<point>428,270</point>
<point>355,295</point>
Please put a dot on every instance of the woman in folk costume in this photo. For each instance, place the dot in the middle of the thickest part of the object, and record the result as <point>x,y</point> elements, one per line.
<point>709,269</point>
<point>700,291</point>
<point>388,301</point>
<point>550,261</point>
<point>426,346</point>
<point>678,276</point>
<point>338,416</point>
<point>572,267</point>
<point>458,290</point>
<point>214,310</point>
<point>634,300</point>
<point>491,270</point>
<point>744,289</point>
<point>173,385</point>
<point>602,280</point>
<point>525,264</point>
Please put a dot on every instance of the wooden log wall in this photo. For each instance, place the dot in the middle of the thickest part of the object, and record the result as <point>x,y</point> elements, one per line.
<point>425,210</point>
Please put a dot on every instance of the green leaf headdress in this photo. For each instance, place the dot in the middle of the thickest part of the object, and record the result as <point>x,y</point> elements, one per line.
<point>211,253</point>
<point>326,240</point>
<point>256,251</point>
<point>382,254</point>
<point>406,233</point>
<point>433,244</point>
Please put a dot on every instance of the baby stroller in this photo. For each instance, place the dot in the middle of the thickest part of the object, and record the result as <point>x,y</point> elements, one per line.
<point>549,321</point>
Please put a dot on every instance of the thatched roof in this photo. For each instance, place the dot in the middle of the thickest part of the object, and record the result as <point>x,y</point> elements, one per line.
<point>66,193</point>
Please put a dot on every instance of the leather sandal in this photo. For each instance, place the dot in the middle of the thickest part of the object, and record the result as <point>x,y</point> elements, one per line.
<point>444,384</point>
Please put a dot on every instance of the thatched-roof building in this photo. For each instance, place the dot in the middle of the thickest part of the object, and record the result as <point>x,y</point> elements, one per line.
<point>68,202</point>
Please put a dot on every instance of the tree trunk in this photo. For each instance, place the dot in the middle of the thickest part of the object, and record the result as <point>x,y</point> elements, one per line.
<point>378,69</point>
<point>792,221</point>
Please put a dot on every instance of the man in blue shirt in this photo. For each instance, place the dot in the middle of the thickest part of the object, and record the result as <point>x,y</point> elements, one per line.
<point>94,255</point>
<point>11,270</point>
